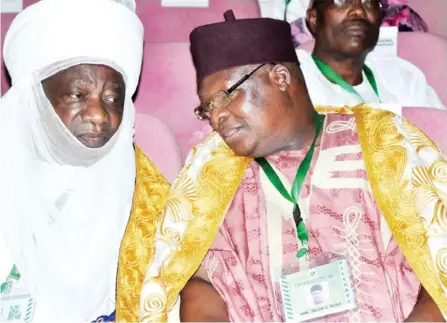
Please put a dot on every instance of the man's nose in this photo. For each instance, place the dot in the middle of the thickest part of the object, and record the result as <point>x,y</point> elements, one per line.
<point>358,9</point>
<point>95,112</point>
<point>218,115</point>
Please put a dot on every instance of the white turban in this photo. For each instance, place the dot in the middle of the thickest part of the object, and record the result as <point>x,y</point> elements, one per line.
<point>63,206</point>
<point>51,31</point>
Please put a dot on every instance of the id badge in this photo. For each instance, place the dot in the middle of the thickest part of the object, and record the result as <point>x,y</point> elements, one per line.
<point>316,292</point>
<point>16,308</point>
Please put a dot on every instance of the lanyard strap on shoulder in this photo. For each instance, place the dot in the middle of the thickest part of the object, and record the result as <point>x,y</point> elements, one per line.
<point>337,79</point>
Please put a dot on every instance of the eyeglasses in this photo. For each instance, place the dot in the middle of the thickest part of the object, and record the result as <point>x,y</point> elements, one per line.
<point>342,4</point>
<point>222,99</point>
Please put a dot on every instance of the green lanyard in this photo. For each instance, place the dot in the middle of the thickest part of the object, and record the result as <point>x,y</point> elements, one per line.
<point>13,275</point>
<point>337,79</point>
<point>294,195</point>
<point>285,11</point>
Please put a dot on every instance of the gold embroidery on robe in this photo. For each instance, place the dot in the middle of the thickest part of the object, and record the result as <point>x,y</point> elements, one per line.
<point>137,247</point>
<point>403,190</point>
<point>412,198</point>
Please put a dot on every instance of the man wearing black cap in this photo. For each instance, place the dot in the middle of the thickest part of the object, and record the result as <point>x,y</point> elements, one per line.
<point>340,70</point>
<point>348,187</point>
<point>282,196</point>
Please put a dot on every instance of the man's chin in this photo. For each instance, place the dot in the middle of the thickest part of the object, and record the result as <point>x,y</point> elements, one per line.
<point>241,150</point>
<point>357,47</point>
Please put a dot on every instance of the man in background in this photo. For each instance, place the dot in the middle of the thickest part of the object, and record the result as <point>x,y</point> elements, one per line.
<point>284,187</point>
<point>340,72</point>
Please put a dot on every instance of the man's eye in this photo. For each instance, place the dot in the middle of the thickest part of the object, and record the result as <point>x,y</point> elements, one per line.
<point>112,99</point>
<point>76,95</point>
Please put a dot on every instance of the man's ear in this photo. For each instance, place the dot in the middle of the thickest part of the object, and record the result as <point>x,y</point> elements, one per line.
<point>280,76</point>
<point>311,20</point>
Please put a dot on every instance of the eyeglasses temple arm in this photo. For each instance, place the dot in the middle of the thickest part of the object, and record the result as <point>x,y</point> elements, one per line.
<point>242,80</point>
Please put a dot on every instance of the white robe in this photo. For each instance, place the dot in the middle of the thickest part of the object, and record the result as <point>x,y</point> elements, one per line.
<point>64,207</point>
<point>398,81</point>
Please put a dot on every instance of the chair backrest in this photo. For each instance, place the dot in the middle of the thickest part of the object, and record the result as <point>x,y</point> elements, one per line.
<point>168,89</point>
<point>433,122</point>
<point>432,62</point>
<point>173,24</point>
<point>434,14</point>
<point>159,143</point>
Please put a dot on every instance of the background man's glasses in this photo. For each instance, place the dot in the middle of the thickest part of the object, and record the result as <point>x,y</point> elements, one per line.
<point>341,4</point>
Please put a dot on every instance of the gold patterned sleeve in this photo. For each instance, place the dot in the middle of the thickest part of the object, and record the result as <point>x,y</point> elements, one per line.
<point>191,215</point>
<point>408,176</point>
<point>137,246</point>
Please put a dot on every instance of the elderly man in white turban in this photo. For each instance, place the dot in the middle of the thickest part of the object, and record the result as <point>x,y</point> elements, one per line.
<point>68,168</point>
